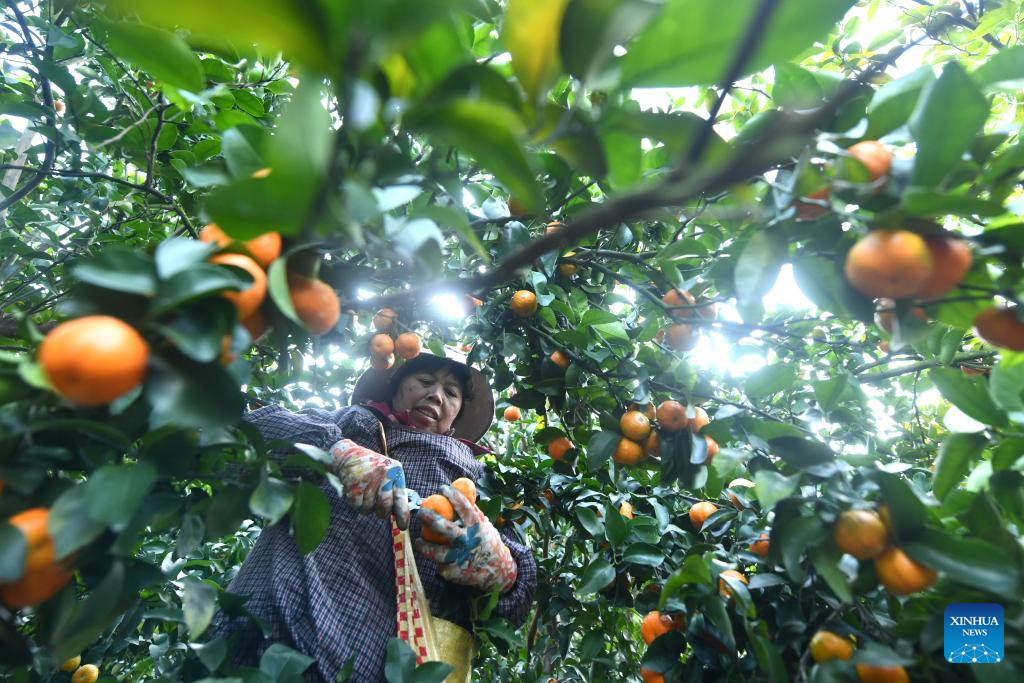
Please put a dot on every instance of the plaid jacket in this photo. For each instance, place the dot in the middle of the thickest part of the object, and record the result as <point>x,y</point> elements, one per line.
<point>339,600</point>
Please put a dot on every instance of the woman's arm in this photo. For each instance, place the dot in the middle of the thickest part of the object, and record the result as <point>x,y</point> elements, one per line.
<point>515,603</point>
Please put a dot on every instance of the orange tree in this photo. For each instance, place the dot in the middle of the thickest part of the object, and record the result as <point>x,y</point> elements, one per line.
<point>786,233</point>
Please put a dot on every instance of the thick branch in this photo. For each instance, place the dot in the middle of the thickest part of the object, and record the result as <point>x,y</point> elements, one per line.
<point>923,365</point>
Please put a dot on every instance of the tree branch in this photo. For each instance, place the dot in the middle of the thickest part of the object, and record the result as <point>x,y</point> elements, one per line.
<point>923,365</point>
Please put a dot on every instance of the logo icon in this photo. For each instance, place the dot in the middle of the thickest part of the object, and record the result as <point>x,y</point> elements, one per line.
<point>973,633</point>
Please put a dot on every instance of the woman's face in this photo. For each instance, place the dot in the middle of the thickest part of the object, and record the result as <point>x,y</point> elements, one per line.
<point>433,399</point>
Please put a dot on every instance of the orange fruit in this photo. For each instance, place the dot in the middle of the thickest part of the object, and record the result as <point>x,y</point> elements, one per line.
<point>712,448</point>
<point>656,624</point>
<point>256,325</point>
<point>760,546</point>
<point>568,269</point>
<point>516,207</point>
<point>860,533</point>
<point>881,674</point>
<point>682,337</point>
<point>889,263</point>
<point>699,419</point>
<point>316,303</point>
<point>42,576</point>
<point>679,297</point>
<point>382,363</point>
<point>723,587</point>
<point>900,574</point>
<point>408,345</point>
<point>884,345</point>
<point>626,510</point>
<point>883,514</point>
<point>249,299</point>
<point>885,315</point>
<point>651,676</point>
<point>549,495</point>
<point>558,447</point>
<point>652,446</point>
<point>71,664</point>
<point>628,452</point>
<point>226,356</point>
<point>524,303</point>
<point>875,157</point>
<point>560,359</point>
<point>466,487</point>
<point>739,483</point>
<point>553,226</point>
<point>87,673</point>
<point>263,249</point>
<point>672,416</point>
<point>94,359</point>
<point>810,211</point>
<point>647,410</point>
<point>1000,326</point>
<point>442,506</point>
<point>262,172</point>
<point>699,512</point>
<point>512,414</point>
<point>826,645</point>
<point>635,425</point>
<point>58,106</point>
<point>473,302</point>
<point>384,319</point>
<point>952,261</point>
<point>381,346</point>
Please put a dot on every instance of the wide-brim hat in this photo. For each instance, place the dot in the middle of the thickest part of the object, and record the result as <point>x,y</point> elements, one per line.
<point>473,420</point>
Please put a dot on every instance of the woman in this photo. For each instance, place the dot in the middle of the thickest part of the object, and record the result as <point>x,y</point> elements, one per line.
<point>413,427</point>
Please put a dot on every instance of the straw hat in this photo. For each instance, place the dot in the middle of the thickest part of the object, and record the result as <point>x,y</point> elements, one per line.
<point>476,414</point>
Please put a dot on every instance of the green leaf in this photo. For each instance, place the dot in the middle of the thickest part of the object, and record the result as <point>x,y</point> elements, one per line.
<point>199,603</point>
<point>310,517</point>
<point>70,524</point>
<point>238,148</point>
<point>164,55</point>
<point>923,202</point>
<point>644,554</point>
<point>490,132</point>
<point>277,285</point>
<point>769,658</point>
<point>600,449</point>
<point>1005,69</point>
<point>199,281</point>
<point>969,561</point>
<point>400,662</point>
<point>176,255</point>
<point>693,42</point>
<point>588,519</point>
<point>530,35</point>
<point>943,133</point>
<point>956,454</point>
<point>271,499</point>
<point>13,550</point>
<point>794,538</point>
<point>596,576</point>
<point>811,456</point>
<point>826,562</point>
<point>592,28</point>
<point>894,102</point>
<point>615,528</point>
<point>190,535</point>
<point>968,395</point>
<point>1006,385</point>
<point>906,511</point>
<point>758,266</point>
<point>191,395</point>
<point>116,491</point>
<point>769,380</point>
<point>771,487</point>
<point>795,88</point>
<point>284,664</point>
<point>118,269</point>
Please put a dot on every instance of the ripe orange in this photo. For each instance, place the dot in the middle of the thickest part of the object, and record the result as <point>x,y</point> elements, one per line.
<point>466,487</point>
<point>672,416</point>
<point>651,676</point>
<point>723,587</point>
<point>902,575</point>
<point>712,448</point>
<point>875,156</point>
<point>860,533</point>
<point>408,345</point>
<point>382,363</point>
<point>760,546</point>
<point>512,414</point>
<point>516,207</point>
<point>635,425</point>
<point>708,312</point>
<point>71,664</point>
<point>553,226</point>
<point>568,269</point>
<point>884,345</point>
<point>524,303</point>
<point>558,447</point>
<point>885,316</point>
<point>657,624</point>
<point>42,576</point>
<point>881,674</point>
<point>94,359</point>
<point>679,297</point>
<point>549,495</point>
<point>652,446</point>
<point>87,673</point>
<point>811,211</point>
<point>264,249</point>
<point>826,645</point>
<point>316,303</point>
<point>889,263</point>
<point>739,483</point>
<point>647,410</point>
<point>952,261</point>
<point>1000,326</point>
<point>682,337</point>
<point>58,106</point>
<point>226,356</point>
<point>442,506</point>
<point>256,325</point>
<point>628,452</point>
<point>626,509</point>
<point>560,359</point>
<point>381,346</point>
<point>699,512</point>
<point>249,299</point>
<point>699,420</point>
<point>384,319</point>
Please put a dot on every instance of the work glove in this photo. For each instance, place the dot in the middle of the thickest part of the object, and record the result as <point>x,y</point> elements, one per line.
<point>373,483</point>
<point>473,555</point>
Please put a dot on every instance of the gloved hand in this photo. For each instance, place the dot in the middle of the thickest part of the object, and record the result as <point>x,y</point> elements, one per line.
<point>476,555</point>
<point>374,483</point>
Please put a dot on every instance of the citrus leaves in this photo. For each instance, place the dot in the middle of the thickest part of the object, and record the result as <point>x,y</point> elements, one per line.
<point>531,35</point>
<point>692,42</point>
<point>162,54</point>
